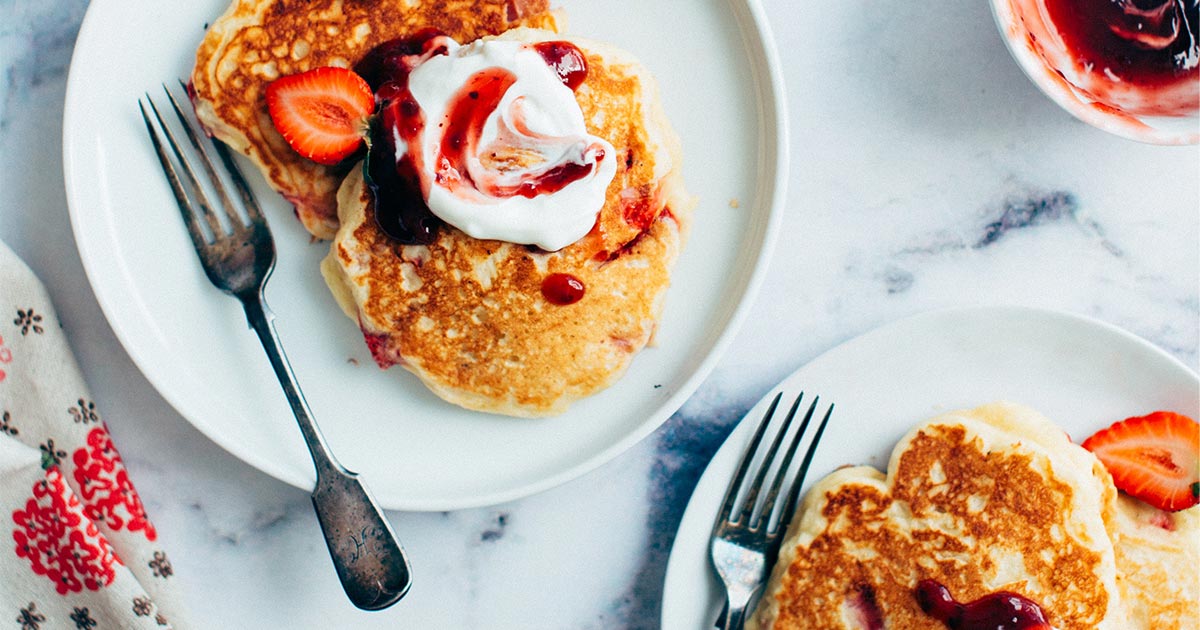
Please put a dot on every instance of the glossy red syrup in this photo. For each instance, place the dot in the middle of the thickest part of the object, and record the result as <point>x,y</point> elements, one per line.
<point>566,60</point>
<point>392,60</point>
<point>562,289</point>
<point>997,611</point>
<point>400,208</point>
<point>557,178</point>
<point>1148,43</point>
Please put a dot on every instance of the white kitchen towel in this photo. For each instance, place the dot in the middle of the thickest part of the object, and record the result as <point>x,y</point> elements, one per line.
<point>78,549</point>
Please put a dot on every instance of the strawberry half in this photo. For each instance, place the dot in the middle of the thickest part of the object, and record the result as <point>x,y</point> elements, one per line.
<point>322,113</point>
<point>1155,458</point>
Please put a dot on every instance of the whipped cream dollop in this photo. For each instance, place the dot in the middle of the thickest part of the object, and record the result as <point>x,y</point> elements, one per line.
<point>505,153</point>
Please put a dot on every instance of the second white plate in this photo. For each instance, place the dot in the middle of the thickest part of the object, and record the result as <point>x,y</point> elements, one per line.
<point>1081,373</point>
<point>415,451</point>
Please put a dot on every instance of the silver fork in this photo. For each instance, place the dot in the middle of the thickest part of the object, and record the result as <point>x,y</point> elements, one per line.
<point>746,537</point>
<point>238,259</point>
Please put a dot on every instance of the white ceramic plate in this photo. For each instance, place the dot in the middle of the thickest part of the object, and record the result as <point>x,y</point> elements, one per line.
<point>1081,373</point>
<point>415,451</point>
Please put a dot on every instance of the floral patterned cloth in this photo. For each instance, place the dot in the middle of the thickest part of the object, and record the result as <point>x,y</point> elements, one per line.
<point>80,552</point>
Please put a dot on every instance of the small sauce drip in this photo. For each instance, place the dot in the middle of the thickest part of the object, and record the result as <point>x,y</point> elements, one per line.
<point>566,60</point>
<point>1151,43</point>
<point>562,289</point>
<point>996,611</point>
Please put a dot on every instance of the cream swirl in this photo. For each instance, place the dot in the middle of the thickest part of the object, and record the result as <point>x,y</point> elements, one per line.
<point>505,153</point>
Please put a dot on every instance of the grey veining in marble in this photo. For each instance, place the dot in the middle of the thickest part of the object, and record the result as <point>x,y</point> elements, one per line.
<point>36,40</point>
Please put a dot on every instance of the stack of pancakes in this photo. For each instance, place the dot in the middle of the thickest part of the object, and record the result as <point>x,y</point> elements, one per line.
<point>467,316</point>
<point>258,41</point>
<point>995,499</point>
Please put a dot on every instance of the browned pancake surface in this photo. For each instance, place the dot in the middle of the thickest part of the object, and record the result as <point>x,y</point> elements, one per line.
<point>468,316</point>
<point>1158,554</point>
<point>258,41</point>
<point>977,517</point>
<point>1020,515</point>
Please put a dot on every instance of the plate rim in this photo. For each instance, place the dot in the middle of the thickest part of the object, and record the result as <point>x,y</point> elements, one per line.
<point>772,137</point>
<point>675,562</point>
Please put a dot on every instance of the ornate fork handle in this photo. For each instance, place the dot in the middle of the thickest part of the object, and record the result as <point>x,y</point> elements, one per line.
<point>238,256</point>
<point>370,563</point>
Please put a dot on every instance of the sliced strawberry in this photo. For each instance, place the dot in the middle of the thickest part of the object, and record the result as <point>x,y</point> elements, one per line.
<point>1155,458</point>
<point>321,113</point>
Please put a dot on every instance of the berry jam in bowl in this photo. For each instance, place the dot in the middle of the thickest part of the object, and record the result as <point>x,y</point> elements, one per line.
<point>1129,67</point>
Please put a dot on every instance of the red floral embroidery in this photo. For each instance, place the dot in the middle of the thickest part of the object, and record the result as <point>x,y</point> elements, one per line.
<point>5,357</point>
<point>108,495</point>
<point>59,542</point>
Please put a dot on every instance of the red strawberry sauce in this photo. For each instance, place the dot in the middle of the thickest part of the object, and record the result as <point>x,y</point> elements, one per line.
<point>566,60</point>
<point>562,289</point>
<point>400,208</point>
<point>997,611</point>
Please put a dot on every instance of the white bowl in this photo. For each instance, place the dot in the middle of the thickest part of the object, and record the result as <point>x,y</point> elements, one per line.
<point>1031,40</point>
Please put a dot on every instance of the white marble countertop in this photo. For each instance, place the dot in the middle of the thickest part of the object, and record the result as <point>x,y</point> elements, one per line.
<point>927,171</point>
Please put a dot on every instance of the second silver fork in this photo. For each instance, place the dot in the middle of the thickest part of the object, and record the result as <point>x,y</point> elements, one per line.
<point>746,535</point>
<point>238,259</point>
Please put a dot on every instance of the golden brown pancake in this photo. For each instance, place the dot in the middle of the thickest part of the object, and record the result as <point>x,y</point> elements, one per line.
<point>982,501</point>
<point>258,41</point>
<point>468,316</point>
<point>1158,557</point>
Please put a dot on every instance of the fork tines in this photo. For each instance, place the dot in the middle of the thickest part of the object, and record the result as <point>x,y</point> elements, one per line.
<point>749,528</point>
<point>197,203</point>
<point>750,505</point>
